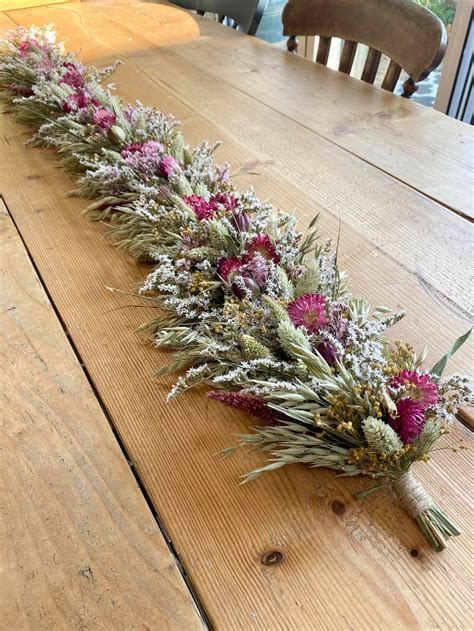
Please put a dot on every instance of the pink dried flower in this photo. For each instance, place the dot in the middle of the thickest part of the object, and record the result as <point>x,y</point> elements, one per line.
<point>418,387</point>
<point>23,90</point>
<point>264,246</point>
<point>202,208</point>
<point>253,406</point>
<point>25,47</point>
<point>79,101</point>
<point>73,78</point>
<point>258,270</point>
<point>132,148</point>
<point>337,323</point>
<point>241,221</point>
<point>309,311</point>
<point>327,352</point>
<point>229,201</point>
<point>149,147</point>
<point>409,420</point>
<point>104,118</point>
<point>168,166</point>
<point>225,267</point>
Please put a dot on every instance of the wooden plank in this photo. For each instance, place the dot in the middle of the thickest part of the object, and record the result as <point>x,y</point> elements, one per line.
<point>424,149</point>
<point>8,5</point>
<point>83,548</point>
<point>221,530</point>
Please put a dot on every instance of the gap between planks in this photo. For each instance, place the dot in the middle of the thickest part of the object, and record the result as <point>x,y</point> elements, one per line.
<point>68,341</point>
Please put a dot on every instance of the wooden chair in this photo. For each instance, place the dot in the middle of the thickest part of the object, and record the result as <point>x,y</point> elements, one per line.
<point>243,14</point>
<point>410,35</point>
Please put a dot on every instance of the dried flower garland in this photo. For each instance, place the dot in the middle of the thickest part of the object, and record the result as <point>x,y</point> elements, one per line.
<point>248,304</point>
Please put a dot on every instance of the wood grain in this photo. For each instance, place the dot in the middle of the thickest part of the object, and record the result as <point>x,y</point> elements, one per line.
<point>80,548</point>
<point>344,564</point>
<point>8,5</point>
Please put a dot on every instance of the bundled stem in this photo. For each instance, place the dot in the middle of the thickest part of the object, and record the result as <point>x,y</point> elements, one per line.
<point>435,525</point>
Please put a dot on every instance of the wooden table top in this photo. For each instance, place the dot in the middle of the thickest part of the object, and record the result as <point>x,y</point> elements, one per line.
<point>85,550</point>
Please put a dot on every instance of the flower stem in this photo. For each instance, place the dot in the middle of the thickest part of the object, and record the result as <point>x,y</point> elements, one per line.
<point>362,494</point>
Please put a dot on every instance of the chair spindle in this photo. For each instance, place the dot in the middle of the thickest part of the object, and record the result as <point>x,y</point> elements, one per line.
<point>371,65</point>
<point>323,50</point>
<point>391,76</point>
<point>347,57</point>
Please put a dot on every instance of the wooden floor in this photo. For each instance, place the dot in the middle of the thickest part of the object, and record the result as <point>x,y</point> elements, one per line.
<point>84,550</point>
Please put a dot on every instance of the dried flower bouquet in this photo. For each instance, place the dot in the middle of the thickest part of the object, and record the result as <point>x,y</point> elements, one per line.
<point>247,303</point>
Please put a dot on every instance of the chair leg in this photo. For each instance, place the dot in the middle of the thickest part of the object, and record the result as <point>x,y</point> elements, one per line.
<point>409,88</point>
<point>292,44</point>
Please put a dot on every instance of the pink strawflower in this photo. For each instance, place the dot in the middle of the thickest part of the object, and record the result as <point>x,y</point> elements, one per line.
<point>228,265</point>
<point>104,118</point>
<point>253,406</point>
<point>134,147</point>
<point>418,387</point>
<point>206,209</point>
<point>202,208</point>
<point>229,201</point>
<point>149,147</point>
<point>409,420</point>
<point>263,245</point>
<point>309,311</point>
<point>73,78</point>
<point>168,166</point>
<point>79,101</point>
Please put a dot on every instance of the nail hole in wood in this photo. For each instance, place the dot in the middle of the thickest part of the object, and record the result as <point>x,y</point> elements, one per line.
<point>274,557</point>
<point>414,552</point>
<point>338,508</point>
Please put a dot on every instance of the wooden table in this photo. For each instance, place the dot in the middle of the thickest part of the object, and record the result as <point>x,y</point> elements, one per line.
<point>88,547</point>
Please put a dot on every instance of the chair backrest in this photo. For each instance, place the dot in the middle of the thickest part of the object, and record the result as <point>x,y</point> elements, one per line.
<point>409,34</point>
<point>245,14</point>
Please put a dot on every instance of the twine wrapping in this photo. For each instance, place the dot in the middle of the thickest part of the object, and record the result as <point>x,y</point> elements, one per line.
<point>411,495</point>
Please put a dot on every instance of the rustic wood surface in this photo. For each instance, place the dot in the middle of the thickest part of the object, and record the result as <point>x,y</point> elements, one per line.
<point>8,5</point>
<point>79,546</point>
<point>421,147</point>
<point>344,564</point>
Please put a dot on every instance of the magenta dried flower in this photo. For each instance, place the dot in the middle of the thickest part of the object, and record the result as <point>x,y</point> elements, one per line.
<point>309,311</point>
<point>228,267</point>
<point>409,420</point>
<point>418,387</point>
<point>227,200</point>
<point>327,352</point>
<point>249,404</point>
<point>73,78</point>
<point>104,118</point>
<point>202,208</point>
<point>241,221</point>
<point>168,166</point>
<point>23,90</point>
<point>264,246</point>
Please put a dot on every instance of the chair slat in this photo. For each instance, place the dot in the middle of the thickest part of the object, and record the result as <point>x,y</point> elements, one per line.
<point>371,65</point>
<point>391,76</point>
<point>323,50</point>
<point>347,57</point>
